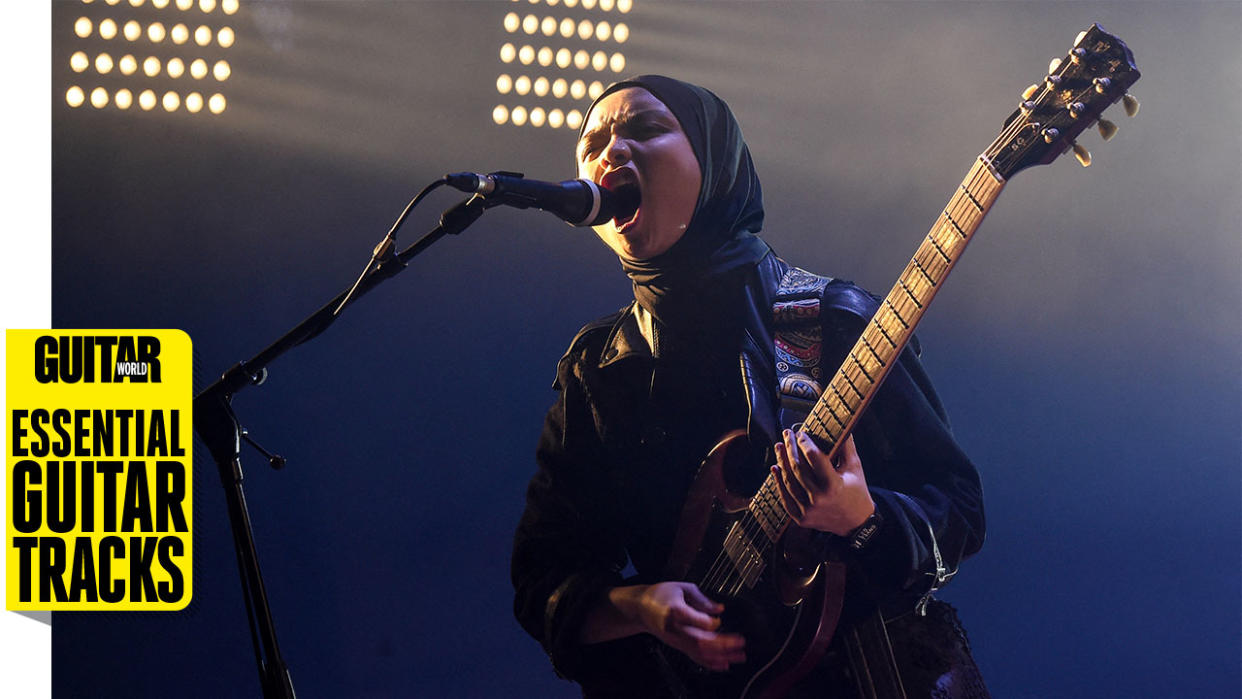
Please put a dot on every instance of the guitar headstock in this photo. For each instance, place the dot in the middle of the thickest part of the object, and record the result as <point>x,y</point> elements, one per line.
<point>1096,73</point>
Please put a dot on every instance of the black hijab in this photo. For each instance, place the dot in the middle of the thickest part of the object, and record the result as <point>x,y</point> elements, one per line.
<point>693,286</point>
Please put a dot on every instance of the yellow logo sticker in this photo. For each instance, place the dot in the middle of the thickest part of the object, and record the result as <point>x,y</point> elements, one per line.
<point>99,486</point>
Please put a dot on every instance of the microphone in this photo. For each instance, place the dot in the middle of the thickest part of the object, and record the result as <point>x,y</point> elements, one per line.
<point>578,202</point>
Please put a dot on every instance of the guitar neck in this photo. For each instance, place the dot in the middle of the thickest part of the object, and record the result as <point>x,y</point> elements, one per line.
<point>886,334</point>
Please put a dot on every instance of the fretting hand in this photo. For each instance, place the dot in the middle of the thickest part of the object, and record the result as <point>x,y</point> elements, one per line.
<point>815,494</point>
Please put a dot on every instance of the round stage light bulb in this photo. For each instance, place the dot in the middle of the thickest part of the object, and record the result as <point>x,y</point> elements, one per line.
<point>606,5</point>
<point>202,35</point>
<point>124,99</point>
<point>221,71</point>
<point>599,61</point>
<point>206,6</point>
<point>171,101</point>
<point>128,64</point>
<point>559,88</point>
<point>522,85</point>
<point>216,104</point>
<point>567,27</point>
<point>621,32</point>
<point>229,7</point>
<point>624,6</point>
<point>573,119</point>
<point>564,57</point>
<point>225,37</point>
<point>545,56</point>
<point>180,34</point>
<point>553,3</point>
<point>82,27</point>
<point>541,86</point>
<point>112,2</point>
<point>198,69</point>
<point>151,66</point>
<point>556,118</point>
<point>603,30</point>
<point>585,29</point>
<point>159,5</point>
<point>507,52</point>
<point>107,29</point>
<point>512,22</point>
<point>504,83</point>
<point>99,98</point>
<point>155,32</point>
<point>530,24</point>
<point>577,89</point>
<point>548,26</point>
<point>571,3</point>
<point>176,67</point>
<point>537,117</point>
<point>518,115</point>
<point>136,3</point>
<point>595,90</point>
<point>588,4</point>
<point>103,63</point>
<point>526,55</point>
<point>79,62</point>
<point>582,59</point>
<point>184,5</point>
<point>74,96</point>
<point>617,63</point>
<point>193,103</point>
<point>133,30</point>
<point>146,100</point>
<point>500,114</point>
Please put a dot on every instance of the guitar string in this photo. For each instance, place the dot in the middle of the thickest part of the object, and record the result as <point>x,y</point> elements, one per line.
<point>722,569</point>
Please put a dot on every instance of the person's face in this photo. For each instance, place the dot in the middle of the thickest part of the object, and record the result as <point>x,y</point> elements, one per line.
<point>632,140</point>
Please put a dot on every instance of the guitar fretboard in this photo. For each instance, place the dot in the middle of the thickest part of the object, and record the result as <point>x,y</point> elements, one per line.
<point>872,357</point>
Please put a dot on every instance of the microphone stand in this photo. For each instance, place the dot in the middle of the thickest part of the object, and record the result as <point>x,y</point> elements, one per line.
<point>218,427</point>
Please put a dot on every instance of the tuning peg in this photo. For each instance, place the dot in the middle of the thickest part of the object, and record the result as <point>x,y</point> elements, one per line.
<point>1029,92</point>
<point>1107,129</point>
<point>1076,109</point>
<point>1078,54</point>
<point>1083,155</point>
<point>1131,104</point>
<point>1054,65</point>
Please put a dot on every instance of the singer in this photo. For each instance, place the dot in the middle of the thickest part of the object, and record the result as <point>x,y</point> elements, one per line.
<point>645,393</point>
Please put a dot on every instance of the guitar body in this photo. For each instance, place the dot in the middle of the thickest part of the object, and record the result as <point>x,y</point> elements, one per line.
<point>787,616</point>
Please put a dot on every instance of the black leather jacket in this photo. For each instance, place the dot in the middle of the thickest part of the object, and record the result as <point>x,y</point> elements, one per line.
<point>623,441</point>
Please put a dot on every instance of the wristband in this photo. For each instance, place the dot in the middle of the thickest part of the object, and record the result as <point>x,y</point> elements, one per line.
<point>866,531</point>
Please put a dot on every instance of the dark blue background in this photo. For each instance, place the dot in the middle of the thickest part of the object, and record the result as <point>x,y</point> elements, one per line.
<point>1087,348</point>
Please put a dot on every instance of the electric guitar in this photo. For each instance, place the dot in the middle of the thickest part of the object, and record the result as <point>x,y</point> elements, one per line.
<point>739,549</point>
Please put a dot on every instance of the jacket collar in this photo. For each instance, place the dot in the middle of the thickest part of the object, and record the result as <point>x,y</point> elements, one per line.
<point>631,337</point>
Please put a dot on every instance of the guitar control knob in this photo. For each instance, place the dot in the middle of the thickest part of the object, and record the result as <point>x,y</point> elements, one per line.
<point>1101,84</point>
<point>1107,129</point>
<point>1131,104</point>
<point>1083,155</point>
<point>1076,109</point>
<point>1077,55</point>
<point>1051,134</point>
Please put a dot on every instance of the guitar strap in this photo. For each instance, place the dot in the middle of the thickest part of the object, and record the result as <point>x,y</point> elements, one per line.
<point>797,331</point>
